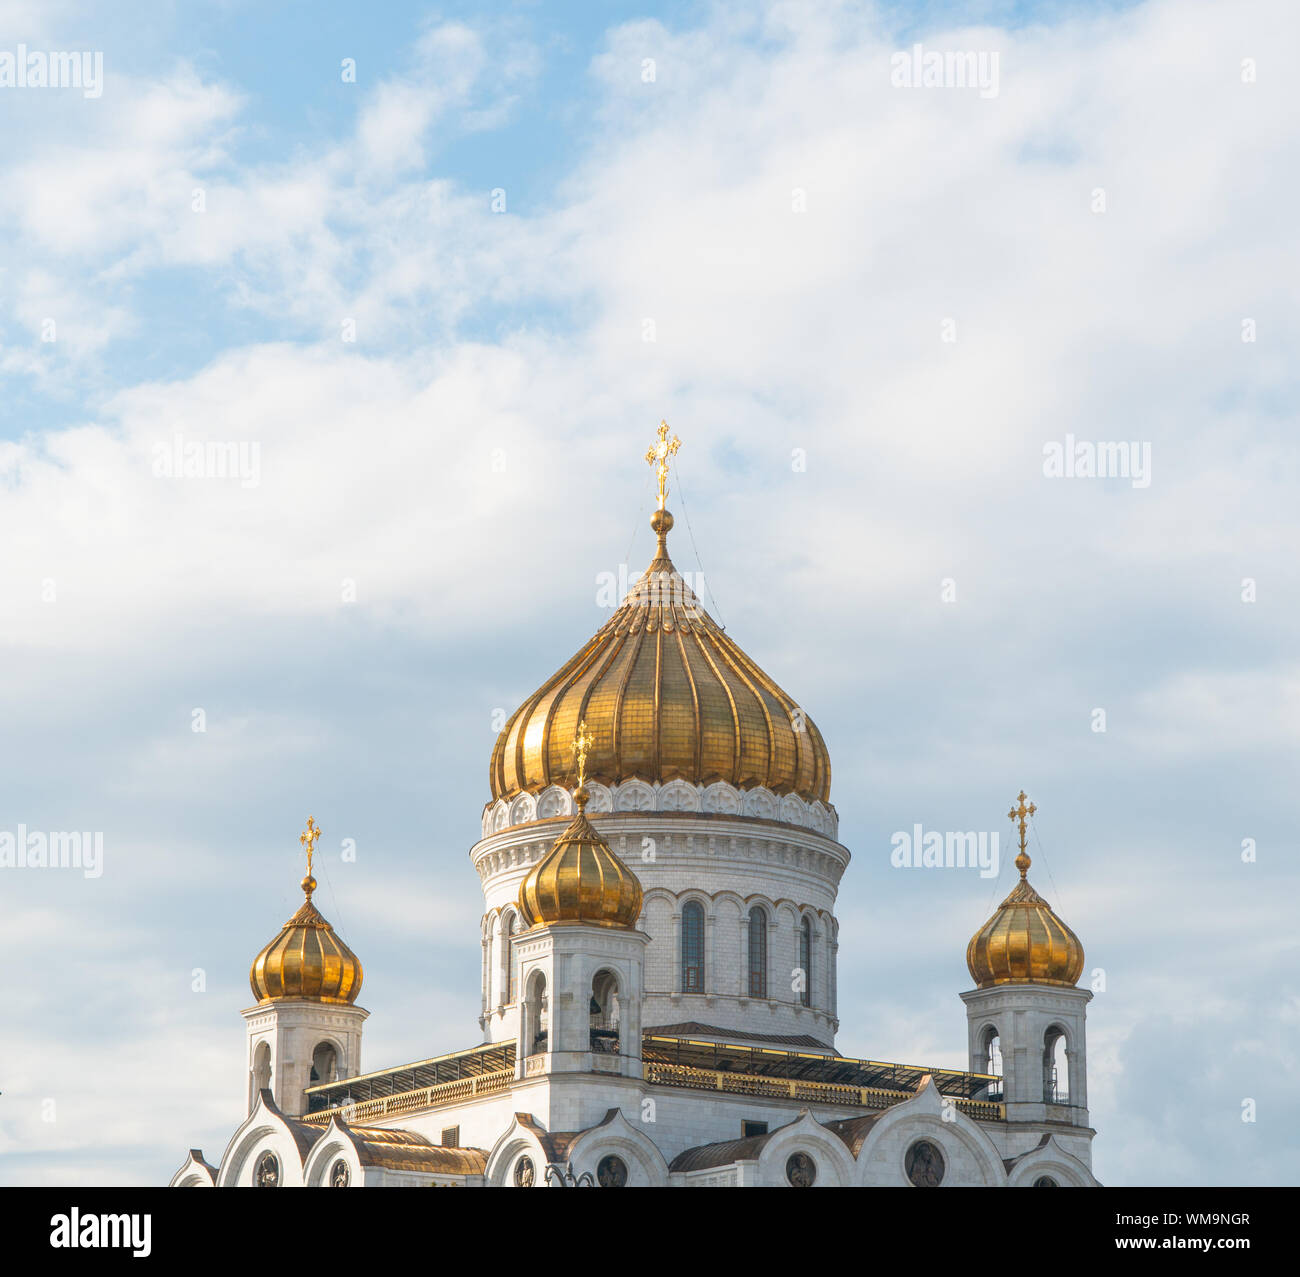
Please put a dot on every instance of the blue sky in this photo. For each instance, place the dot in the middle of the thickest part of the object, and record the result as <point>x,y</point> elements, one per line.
<point>472,461</point>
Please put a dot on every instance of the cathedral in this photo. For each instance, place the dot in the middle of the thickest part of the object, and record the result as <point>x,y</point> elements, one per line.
<point>659,863</point>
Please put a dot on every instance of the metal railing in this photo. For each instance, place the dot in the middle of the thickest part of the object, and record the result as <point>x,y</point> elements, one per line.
<point>425,1097</point>
<point>795,1089</point>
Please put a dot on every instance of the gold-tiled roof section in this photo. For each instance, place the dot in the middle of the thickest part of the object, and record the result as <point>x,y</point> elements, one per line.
<point>580,880</point>
<point>1024,942</point>
<point>306,960</point>
<point>667,695</point>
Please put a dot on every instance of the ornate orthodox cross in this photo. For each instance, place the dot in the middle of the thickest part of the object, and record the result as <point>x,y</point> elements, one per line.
<point>657,455</point>
<point>308,840</point>
<point>582,742</point>
<point>1020,815</point>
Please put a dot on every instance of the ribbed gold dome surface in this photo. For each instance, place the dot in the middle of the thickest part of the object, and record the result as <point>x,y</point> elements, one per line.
<point>669,696</point>
<point>1024,942</point>
<point>580,880</point>
<point>306,960</point>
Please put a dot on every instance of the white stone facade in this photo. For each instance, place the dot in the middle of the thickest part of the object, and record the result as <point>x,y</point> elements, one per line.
<point>688,843</point>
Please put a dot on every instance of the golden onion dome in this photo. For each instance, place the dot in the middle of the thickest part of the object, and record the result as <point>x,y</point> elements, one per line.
<point>580,879</point>
<point>306,960</point>
<point>1024,942</point>
<point>670,696</point>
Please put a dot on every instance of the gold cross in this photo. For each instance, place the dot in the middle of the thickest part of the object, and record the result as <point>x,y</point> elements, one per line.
<point>308,840</point>
<point>657,455</point>
<point>1021,814</point>
<point>582,742</point>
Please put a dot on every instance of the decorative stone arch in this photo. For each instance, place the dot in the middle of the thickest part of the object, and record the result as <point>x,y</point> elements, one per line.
<point>678,795</point>
<point>194,1172</point>
<point>500,815</point>
<point>794,811</point>
<point>760,802</point>
<point>805,1135</point>
<point>600,798</point>
<point>730,897</point>
<point>661,902</point>
<point>722,798</point>
<point>336,1143</point>
<point>634,795</point>
<point>521,1139</point>
<point>616,1136</point>
<point>554,801</point>
<point>818,817</point>
<point>786,912</point>
<point>1051,1160</point>
<point>523,809</point>
<point>697,894</point>
<point>882,1157</point>
<point>264,1130</point>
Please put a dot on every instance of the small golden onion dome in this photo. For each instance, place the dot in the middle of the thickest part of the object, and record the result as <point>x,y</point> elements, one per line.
<point>580,880</point>
<point>1024,942</point>
<point>306,960</point>
<point>669,696</point>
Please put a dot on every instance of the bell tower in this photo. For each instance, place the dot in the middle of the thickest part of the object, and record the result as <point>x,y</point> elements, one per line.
<point>582,959</point>
<point>304,1030</point>
<point>1026,1015</point>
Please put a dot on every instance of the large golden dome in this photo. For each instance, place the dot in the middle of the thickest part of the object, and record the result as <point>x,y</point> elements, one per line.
<point>1024,942</point>
<point>669,696</point>
<point>580,880</point>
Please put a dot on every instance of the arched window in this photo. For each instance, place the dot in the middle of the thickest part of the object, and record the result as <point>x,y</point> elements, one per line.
<point>324,1064</point>
<point>758,952</point>
<point>261,1072</point>
<point>991,1062</point>
<point>1056,1070</point>
<point>692,948</point>
<point>508,933</point>
<point>324,1068</point>
<point>603,1012</point>
<point>535,1017</point>
<point>805,960</point>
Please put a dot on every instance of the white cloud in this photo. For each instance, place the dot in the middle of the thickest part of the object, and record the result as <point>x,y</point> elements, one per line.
<point>775,330</point>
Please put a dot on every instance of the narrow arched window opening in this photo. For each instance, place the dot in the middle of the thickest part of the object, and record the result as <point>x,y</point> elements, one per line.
<point>805,960</point>
<point>692,948</point>
<point>991,1062</point>
<point>534,1036</point>
<point>603,1013</point>
<point>758,952</point>
<point>261,1072</point>
<point>509,931</point>
<point>1056,1067</point>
